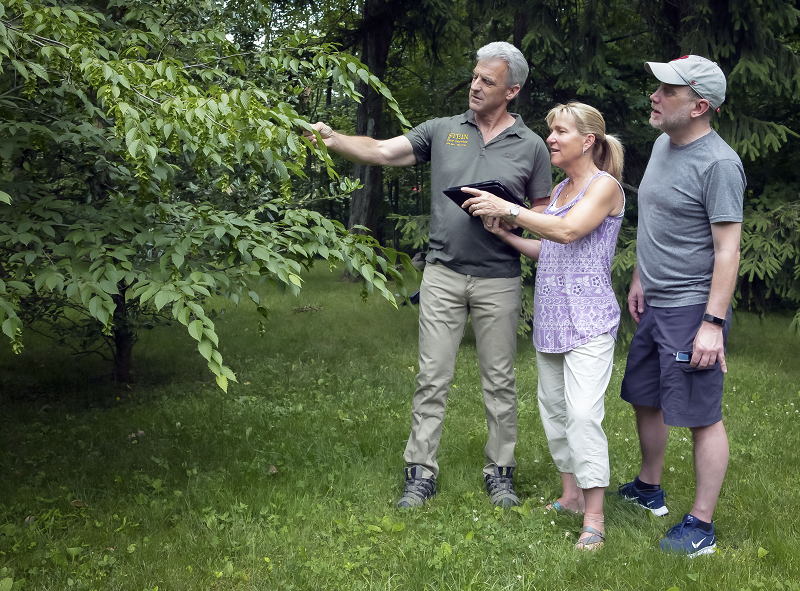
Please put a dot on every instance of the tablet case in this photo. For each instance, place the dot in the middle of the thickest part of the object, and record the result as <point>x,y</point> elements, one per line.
<point>494,187</point>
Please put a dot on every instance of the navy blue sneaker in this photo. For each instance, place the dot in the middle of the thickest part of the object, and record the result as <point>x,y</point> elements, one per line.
<point>417,489</point>
<point>687,538</point>
<point>652,501</point>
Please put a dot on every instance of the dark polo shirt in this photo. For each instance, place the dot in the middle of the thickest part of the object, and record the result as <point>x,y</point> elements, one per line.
<point>458,155</point>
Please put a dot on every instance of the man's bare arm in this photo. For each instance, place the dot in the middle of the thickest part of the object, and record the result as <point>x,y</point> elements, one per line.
<point>708,345</point>
<point>366,150</point>
<point>636,297</point>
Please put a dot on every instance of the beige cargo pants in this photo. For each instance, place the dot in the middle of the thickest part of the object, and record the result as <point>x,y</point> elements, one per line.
<point>446,299</point>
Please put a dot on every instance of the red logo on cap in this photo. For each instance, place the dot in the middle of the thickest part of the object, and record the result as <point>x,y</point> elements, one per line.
<point>693,82</point>
<point>683,57</point>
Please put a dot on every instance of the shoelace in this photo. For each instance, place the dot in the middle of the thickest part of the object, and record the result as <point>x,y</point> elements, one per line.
<point>499,482</point>
<point>677,529</point>
<point>418,487</point>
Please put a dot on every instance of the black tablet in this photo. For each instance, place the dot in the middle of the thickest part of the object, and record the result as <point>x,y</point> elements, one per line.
<point>494,187</point>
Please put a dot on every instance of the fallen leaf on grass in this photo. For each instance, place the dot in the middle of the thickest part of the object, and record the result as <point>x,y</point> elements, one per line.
<point>29,521</point>
<point>273,470</point>
<point>77,503</point>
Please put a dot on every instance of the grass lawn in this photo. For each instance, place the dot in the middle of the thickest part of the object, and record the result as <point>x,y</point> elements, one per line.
<point>289,481</point>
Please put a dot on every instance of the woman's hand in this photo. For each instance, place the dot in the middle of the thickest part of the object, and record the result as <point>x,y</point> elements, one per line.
<point>495,226</point>
<point>485,205</point>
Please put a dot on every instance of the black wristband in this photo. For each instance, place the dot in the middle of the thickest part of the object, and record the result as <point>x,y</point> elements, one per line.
<point>714,319</point>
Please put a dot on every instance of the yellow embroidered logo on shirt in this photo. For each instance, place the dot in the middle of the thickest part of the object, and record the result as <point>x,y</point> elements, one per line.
<point>457,139</point>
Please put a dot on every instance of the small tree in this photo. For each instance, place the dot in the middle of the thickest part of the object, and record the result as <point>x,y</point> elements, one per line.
<point>113,115</point>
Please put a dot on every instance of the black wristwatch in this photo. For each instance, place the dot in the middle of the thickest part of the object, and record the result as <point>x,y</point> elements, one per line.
<point>714,320</point>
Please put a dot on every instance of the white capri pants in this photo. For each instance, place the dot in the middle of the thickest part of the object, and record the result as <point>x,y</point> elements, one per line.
<point>572,389</point>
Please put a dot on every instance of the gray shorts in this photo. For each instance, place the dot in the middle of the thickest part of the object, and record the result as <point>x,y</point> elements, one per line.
<point>689,397</point>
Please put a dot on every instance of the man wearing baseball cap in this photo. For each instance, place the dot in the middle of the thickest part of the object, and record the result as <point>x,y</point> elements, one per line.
<point>687,255</point>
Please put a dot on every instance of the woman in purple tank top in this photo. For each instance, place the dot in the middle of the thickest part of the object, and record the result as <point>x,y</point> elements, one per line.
<point>576,314</point>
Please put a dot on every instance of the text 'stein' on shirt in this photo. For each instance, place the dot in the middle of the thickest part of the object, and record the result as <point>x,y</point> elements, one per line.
<point>457,139</point>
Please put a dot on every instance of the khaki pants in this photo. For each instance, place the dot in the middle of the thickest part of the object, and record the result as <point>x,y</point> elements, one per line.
<point>572,389</point>
<point>446,299</point>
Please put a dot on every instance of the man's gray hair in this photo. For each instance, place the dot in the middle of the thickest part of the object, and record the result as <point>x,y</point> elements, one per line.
<point>517,64</point>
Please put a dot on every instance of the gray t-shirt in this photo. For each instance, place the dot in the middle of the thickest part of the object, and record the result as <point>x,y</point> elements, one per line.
<point>517,157</point>
<point>685,189</point>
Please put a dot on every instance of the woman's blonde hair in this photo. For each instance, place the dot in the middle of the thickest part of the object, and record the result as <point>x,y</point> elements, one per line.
<point>607,150</point>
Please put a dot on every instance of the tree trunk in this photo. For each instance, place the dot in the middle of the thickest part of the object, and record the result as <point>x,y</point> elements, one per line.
<point>523,100</point>
<point>377,30</point>
<point>394,196</point>
<point>124,339</point>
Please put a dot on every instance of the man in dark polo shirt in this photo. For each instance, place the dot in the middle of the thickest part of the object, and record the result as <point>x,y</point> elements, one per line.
<point>469,271</point>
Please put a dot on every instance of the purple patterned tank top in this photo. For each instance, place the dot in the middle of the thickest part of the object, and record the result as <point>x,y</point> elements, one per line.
<point>574,301</point>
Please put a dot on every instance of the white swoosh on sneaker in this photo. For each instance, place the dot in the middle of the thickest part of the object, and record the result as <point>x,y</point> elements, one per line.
<point>697,544</point>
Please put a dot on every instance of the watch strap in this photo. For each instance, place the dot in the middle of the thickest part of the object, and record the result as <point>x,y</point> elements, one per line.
<point>714,319</point>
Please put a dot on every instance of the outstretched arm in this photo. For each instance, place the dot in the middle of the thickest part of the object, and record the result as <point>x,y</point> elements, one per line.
<point>366,150</point>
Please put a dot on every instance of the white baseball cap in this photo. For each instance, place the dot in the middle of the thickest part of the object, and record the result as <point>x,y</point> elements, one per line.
<point>704,76</point>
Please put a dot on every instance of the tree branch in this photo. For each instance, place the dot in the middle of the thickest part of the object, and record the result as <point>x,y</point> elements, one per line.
<point>457,88</point>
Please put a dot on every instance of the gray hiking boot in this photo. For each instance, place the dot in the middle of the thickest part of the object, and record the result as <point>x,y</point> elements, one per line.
<point>500,486</point>
<point>417,489</point>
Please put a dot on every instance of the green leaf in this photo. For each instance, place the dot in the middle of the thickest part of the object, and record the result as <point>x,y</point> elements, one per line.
<point>6,584</point>
<point>206,349</point>
<point>222,382</point>
<point>73,552</point>
<point>262,253</point>
<point>228,373</point>
<point>196,330</point>
<point>133,147</point>
<point>368,272</point>
<point>162,297</point>
<point>20,68</point>
<point>8,327</point>
<point>762,552</point>
<point>97,308</point>
<point>5,197</point>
